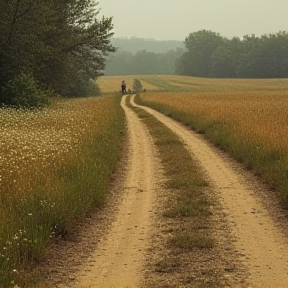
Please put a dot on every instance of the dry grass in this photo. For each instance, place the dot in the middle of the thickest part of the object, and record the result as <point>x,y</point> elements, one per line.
<point>175,83</point>
<point>210,84</point>
<point>30,141</point>
<point>55,167</point>
<point>259,116</point>
<point>250,125</point>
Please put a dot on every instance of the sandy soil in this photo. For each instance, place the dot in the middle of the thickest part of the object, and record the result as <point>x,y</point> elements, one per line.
<point>260,241</point>
<point>119,257</point>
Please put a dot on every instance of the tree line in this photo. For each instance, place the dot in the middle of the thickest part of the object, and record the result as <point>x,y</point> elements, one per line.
<point>208,54</point>
<point>142,62</point>
<point>51,47</point>
<point>135,44</point>
<point>61,47</point>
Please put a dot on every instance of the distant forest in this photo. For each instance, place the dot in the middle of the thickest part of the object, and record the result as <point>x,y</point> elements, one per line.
<point>138,56</point>
<point>203,54</point>
<point>134,44</point>
<point>208,54</point>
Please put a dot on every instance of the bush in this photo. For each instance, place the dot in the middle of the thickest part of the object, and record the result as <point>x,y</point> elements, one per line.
<point>93,88</point>
<point>23,91</point>
<point>137,86</point>
<point>83,86</point>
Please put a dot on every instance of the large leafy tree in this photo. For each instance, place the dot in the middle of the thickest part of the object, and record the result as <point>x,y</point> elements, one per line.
<point>210,55</point>
<point>197,60</point>
<point>59,44</point>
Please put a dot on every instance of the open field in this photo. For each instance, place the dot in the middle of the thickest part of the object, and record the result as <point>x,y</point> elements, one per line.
<point>254,116</point>
<point>246,233</point>
<point>173,83</point>
<point>55,166</point>
<point>248,119</point>
<point>251,210</point>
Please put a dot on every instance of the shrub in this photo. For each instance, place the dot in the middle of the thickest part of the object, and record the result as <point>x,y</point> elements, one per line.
<point>23,91</point>
<point>137,86</point>
<point>83,86</point>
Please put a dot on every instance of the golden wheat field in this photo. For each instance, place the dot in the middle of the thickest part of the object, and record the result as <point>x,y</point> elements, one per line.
<point>212,84</point>
<point>259,116</point>
<point>256,109</point>
<point>30,141</point>
<point>174,83</point>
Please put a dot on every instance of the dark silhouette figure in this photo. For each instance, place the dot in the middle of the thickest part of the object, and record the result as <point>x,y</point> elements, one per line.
<point>123,87</point>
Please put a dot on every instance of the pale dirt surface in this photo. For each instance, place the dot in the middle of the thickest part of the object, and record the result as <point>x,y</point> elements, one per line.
<point>119,256</point>
<point>259,241</point>
<point>119,245</point>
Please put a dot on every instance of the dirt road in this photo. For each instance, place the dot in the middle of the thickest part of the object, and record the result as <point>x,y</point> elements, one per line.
<point>119,257</point>
<point>257,237</point>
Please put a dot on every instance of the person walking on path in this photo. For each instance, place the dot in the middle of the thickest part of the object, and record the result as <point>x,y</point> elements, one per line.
<point>123,87</point>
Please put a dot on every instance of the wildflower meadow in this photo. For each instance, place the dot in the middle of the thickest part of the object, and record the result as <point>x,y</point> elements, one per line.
<point>55,167</point>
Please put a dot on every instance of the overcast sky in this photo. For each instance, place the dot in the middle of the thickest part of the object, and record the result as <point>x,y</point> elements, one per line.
<point>174,20</point>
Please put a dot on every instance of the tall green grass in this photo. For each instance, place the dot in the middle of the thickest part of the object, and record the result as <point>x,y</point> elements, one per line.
<point>57,200</point>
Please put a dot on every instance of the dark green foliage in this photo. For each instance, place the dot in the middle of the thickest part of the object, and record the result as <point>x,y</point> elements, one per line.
<point>137,86</point>
<point>55,41</point>
<point>210,55</point>
<point>83,86</point>
<point>23,91</point>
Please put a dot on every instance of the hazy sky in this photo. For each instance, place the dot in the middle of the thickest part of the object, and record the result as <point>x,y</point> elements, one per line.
<point>174,20</point>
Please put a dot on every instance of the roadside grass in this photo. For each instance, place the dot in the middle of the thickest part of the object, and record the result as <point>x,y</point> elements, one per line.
<point>188,209</point>
<point>250,126</point>
<point>48,187</point>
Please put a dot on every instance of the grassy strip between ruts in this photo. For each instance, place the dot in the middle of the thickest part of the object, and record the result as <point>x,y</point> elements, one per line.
<point>266,162</point>
<point>188,259</point>
<point>60,197</point>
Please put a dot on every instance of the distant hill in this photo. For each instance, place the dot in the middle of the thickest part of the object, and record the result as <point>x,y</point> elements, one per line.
<point>135,44</point>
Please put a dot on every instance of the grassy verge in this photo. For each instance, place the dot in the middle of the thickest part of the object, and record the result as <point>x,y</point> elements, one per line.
<point>268,163</point>
<point>58,197</point>
<point>187,214</point>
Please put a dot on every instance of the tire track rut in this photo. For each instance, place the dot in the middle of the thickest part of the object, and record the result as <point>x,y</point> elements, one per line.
<point>261,246</point>
<point>119,257</point>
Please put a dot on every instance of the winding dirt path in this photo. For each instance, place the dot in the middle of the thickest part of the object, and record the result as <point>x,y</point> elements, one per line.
<point>119,257</point>
<point>258,239</point>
